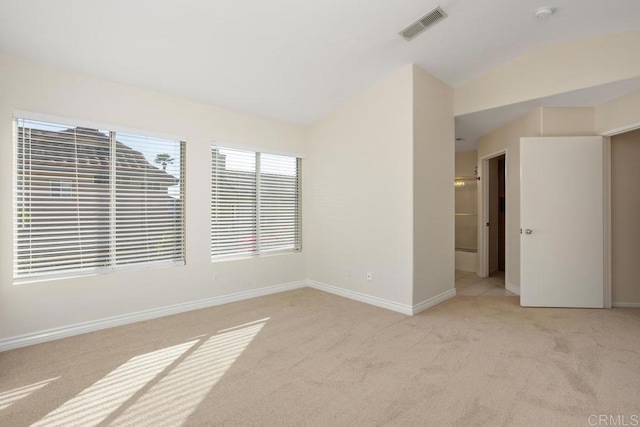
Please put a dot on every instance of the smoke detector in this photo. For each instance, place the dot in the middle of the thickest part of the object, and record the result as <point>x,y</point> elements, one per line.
<point>427,21</point>
<point>544,12</point>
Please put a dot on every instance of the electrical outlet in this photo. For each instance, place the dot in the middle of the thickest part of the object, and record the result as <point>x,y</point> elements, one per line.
<point>215,277</point>
<point>369,276</point>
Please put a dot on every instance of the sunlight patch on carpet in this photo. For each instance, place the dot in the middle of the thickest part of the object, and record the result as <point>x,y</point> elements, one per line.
<point>95,403</point>
<point>171,400</point>
<point>8,398</point>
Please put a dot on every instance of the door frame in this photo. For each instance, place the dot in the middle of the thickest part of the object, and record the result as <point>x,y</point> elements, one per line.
<point>608,303</point>
<point>606,192</point>
<point>483,217</point>
<point>483,198</point>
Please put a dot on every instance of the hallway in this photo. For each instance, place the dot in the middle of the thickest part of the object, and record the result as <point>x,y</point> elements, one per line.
<point>470,285</point>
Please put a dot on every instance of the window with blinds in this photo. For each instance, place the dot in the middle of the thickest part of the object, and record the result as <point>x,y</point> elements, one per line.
<point>255,203</point>
<point>88,201</point>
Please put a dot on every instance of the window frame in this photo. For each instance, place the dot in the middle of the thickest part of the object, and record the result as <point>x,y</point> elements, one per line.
<point>113,131</point>
<point>298,245</point>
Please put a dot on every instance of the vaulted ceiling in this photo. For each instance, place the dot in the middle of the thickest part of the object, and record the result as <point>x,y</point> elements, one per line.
<point>294,60</point>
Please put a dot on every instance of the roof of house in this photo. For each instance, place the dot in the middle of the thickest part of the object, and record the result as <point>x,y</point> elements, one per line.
<point>89,148</point>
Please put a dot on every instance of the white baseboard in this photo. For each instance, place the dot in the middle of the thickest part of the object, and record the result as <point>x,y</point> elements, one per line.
<point>110,322</point>
<point>357,296</point>
<point>466,261</point>
<point>96,325</point>
<point>433,301</point>
<point>383,303</point>
<point>513,288</point>
<point>626,304</point>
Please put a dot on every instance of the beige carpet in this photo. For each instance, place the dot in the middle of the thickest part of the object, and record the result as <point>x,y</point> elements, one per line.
<point>309,358</point>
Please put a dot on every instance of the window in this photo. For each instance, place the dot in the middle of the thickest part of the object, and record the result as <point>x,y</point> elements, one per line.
<point>255,203</point>
<point>90,201</point>
<point>61,188</point>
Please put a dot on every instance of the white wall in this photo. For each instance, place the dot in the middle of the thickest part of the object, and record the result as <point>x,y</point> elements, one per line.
<point>433,190</point>
<point>567,121</point>
<point>32,307</point>
<point>360,193</point>
<point>466,162</point>
<point>620,113</point>
<point>551,70</point>
<point>377,197</point>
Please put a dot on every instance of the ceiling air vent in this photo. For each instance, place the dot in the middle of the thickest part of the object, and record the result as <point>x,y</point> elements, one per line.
<point>429,20</point>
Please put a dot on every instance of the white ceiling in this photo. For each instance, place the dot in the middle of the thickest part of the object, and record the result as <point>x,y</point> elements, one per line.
<point>472,126</point>
<point>294,60</point>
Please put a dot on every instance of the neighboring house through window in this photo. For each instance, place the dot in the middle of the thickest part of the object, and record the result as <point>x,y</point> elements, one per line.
<point>89,200</point>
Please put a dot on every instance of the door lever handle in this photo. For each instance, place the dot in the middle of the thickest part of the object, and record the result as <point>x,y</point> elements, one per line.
<point>528,231</point>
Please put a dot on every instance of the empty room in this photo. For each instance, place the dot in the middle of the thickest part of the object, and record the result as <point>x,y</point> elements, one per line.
<point>319,213</point>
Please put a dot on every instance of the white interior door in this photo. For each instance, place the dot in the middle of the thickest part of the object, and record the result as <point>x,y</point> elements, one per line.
<point>561,215</point>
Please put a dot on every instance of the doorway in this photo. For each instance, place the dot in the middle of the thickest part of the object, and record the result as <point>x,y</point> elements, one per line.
<point>625,231</point>
<point>491,279</point>
<point>493,221</point>
<point>496,221</point>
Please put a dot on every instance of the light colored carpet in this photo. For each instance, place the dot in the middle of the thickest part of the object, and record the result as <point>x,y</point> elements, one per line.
<point>309,358</point>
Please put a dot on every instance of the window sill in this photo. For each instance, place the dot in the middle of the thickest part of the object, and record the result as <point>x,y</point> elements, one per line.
<point>96,272</point>
<point>251,256</point>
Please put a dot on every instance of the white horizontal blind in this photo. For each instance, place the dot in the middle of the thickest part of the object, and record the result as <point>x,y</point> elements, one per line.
<point>61,199</point>
<point>255,202</point>
<point>149,202</point>
<point>233,202</point>
<point>67,197</point>
<point>279,203</point>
